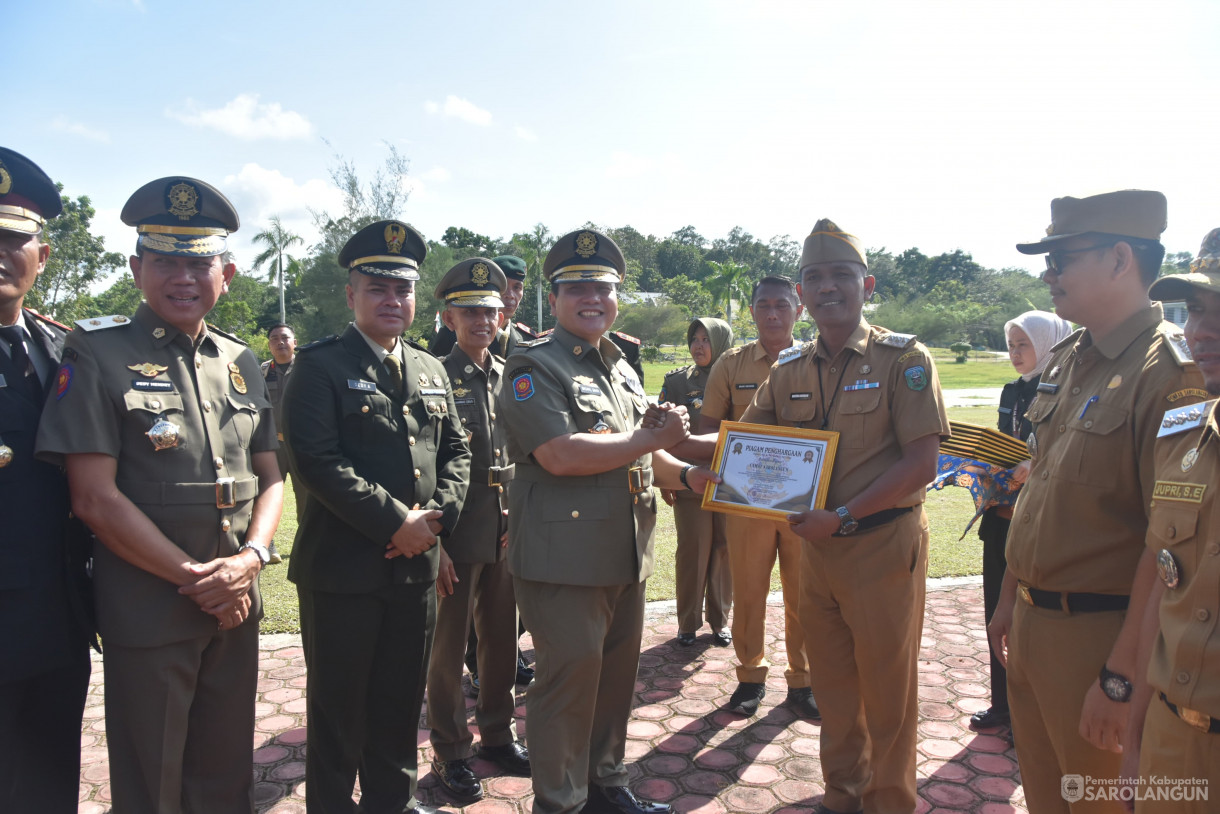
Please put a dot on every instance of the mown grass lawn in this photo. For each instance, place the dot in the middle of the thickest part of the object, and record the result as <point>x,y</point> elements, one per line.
<point>948,511</point>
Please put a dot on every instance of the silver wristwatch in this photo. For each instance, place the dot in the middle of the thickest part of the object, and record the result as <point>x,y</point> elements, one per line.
<point>847,523</point>
<point>264,556</point>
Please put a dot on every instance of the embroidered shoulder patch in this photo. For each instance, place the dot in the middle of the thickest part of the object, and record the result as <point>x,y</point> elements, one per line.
<point>523,387</point>
<point>63,380</point>
<point>916,377</point>
<point>1188,392</point>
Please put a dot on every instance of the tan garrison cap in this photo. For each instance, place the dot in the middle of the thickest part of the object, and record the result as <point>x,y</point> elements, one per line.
<point>181,216</point>
<point>1204,273</point>
<point>1136,213</point>
<point>584,255</point>
<point>474,283</point>
<point>387,248</point>
<point>827,243</point>
<point>27,195</point>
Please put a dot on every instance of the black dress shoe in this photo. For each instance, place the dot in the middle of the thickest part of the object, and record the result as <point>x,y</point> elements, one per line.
<point>801,700</point>
<point>746,698</point>
<point>723,638</point>
<point>511,757</point>
<point>686,639</point>
<point>623,800</point>
<point>456,777</point>
<point>525,673</point>
<point>989,718</point>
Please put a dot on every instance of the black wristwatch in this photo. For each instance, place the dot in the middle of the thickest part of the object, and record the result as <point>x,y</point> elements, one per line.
<point>1116,687</point>
<point>847,523</point>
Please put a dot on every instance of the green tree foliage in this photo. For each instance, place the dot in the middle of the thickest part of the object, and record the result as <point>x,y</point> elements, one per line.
<point>466,243</point>
<point>278,241</point>
<point>729,281</point>
<point>653,324</point>
<point>689,295</point>
<point>78,260</point>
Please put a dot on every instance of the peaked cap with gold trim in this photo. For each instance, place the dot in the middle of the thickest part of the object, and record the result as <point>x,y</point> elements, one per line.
<point>1136,213</point>
<point>1204,273</point>
<point>827,243</point>
<point>584,255</point>
<point>28,196</point>
<point>387,248</point>
<point>474,283</point>
<point>181,216</point>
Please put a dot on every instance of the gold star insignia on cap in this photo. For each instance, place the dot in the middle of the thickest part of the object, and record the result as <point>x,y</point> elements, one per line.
<point>148,369</point>
<point>182,201</point>
<point>479,274</point>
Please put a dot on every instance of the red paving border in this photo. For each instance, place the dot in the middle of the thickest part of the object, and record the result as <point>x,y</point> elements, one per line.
<point>682,747</point>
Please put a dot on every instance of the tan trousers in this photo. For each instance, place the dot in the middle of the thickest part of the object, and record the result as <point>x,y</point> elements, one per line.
<point>587,650</point>
<point>484,594</point>
<point>701,565</point>
<point>180,724</point>
<point>753,548</point>
<point>862,603</point>
<point>1173,749</point>
<point>1053,659</point>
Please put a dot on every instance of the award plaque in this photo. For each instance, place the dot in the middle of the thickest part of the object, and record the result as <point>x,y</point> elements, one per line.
<point>770,472</point>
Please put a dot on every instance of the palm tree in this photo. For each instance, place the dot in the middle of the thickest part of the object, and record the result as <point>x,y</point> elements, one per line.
<point>278,241</point>
<point>729,279</point>
<point>534,247</point>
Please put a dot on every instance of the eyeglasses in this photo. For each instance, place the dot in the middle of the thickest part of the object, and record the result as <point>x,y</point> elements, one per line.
<point>1056,262</point>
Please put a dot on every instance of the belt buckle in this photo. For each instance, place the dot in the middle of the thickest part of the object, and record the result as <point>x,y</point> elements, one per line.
<point>1199,720</point>
<point>635,480</point>
<point>226,493</point>
<point>1023,592</point>
<point>493,476</point>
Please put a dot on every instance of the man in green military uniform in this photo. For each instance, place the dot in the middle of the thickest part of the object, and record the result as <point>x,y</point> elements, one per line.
<point>581,517</point>
<point>373,434</point>
<point>165,427</point>
<point>511,333</point>
<point>474,583</point>
<point>1175,709</point>
<point>1079,573</point>
<point>282,342</point>
<point>701,564</point>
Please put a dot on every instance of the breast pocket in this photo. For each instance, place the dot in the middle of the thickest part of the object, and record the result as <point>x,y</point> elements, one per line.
<point>146,409</point>
<point>1041,418</point>
<point>366,415</point>
<point>856,417</point>
<point>1172,527</point>
<point>1103,452</point>
<point>742,396</point>
<point>592,411</point>
<point>799,412</point>
<point>245,415</point>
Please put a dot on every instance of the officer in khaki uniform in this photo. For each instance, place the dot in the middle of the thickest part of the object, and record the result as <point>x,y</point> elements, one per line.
<point>701,564</point>
<point>755,544</point>
<point>166,431</point>
<point>282,342</point>
<point>1181,730</point>
<point>1076,556</point>
<point>865,555</point>
<point>44,629</point>
<point>373,434</point>
<point>513,333</point>
<point>474,583</point>
<point>581,518</point>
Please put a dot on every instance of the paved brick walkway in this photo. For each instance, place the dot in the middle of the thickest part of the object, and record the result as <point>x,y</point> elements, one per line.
<point>683,748</point>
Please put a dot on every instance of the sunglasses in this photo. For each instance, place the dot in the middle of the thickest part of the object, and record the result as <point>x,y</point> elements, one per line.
<point>1057,261</point>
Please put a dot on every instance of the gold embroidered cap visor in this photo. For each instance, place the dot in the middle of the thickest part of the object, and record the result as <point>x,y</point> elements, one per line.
<point>1128,213</point>
<point>827,243</point>
<point>181,216</point>
<point>1204,273</point>
<point>20,219</point>
<point>182,245</point>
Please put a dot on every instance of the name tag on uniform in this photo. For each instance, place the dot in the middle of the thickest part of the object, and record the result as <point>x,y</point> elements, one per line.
<point>432,391</point>
<point>590,390</point>
<point>463,402</point>
<point>152,387</point>
<point>361,385</point>
<point>746,386</point>
<point>800,396</point>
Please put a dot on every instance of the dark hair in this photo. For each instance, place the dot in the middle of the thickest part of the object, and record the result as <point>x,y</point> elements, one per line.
<point>783,282</point>
<point>1149,254</point>
<point>280,325</point>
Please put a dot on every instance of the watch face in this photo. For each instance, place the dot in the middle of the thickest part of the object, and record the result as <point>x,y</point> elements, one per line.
<point>1116,688</point>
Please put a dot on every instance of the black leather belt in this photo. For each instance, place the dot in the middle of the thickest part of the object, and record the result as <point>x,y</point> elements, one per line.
<point>1199,720</point>
<point>876,519</point>
<point>638,478</point>
<point>224,493</point>
<point>494,475</point>
<point>1072,602</point>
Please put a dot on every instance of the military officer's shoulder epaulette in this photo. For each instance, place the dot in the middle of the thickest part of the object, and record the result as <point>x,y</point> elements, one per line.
<point>790,353</point>
<point>1070,339</point>
<point>319,343</point>
<point>626,337</point>
<point>213,329</point>
<point>100,323</point>
<point>525,329</point>
<point>1175,341</point>
<point>265,366</point>
<point>39,318</point>
<point>895,340</point>
<point>1181,419</point>
<point>534,343</point>
<point>678,369</point>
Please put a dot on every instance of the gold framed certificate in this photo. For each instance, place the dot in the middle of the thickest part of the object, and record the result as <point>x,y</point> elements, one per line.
<point>770,472</point>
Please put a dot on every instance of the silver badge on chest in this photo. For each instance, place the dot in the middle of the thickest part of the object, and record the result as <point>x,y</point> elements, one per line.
<point>164,434</point>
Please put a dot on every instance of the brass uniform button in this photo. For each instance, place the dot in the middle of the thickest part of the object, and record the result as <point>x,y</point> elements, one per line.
<point>198,364</point>
<point>225,525</point>
<point>364,409</point>
<point>575,514</point>
<point>207,406</point>
<point>220,462</point>
<point>411,440</point>
<point>1183,677</point>
<point>417,474</point>
<point>156,405</point>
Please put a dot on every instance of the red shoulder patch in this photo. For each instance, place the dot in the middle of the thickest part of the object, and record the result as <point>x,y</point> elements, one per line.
<point>627,337</point>
<point>47,320</point>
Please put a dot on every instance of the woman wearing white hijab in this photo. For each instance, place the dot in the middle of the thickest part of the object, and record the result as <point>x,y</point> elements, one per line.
<point>1030,339</point>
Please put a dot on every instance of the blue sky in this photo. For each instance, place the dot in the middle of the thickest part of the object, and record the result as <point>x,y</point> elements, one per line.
<point>939,125</point>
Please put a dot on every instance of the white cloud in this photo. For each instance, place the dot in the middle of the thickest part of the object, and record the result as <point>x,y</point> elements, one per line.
<point>245,118</point>
<point>259,193</point>
<point>63,124</point>
<point>524,133</point>
<point>439,174</point>
<point>458,108</point>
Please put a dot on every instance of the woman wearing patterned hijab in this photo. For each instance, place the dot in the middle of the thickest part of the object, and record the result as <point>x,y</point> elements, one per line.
<point>1030,339</point>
